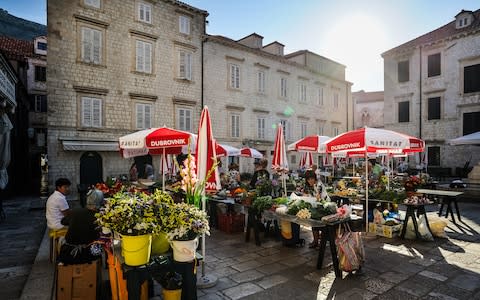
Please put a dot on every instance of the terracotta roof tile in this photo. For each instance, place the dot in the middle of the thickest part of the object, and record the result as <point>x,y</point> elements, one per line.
<point>16,49</point>
<point>438,34</point>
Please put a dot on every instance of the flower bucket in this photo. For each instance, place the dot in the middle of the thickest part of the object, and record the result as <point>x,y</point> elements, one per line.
<point>160,244</point>
<point>184,251</point>
<point>172,294</point>
<point>136,249</point>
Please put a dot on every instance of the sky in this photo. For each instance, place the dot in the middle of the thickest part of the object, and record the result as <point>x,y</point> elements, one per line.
<point>352,32</point>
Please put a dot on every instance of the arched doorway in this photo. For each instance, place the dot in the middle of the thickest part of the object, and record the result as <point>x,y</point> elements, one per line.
<point>91,169</point>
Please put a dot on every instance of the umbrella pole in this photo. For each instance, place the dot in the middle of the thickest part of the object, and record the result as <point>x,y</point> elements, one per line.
<point>163,172</point>
<point>205,281</point>
<point>366,193</point>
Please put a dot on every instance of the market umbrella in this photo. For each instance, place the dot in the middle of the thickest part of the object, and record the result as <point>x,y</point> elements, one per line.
<point>161,140</point>
<point>250,152</point>
<point>5,154</point>
<point>226,150</point>
<point>373,140</point>
<point>206,160</point>
<point>469,139</point>
<point>279,160</point>
<point>306,161</point>
<point>311,143</point>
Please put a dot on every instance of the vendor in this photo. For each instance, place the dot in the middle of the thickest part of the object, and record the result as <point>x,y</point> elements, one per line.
<point>311,188</point>
<point>260,173</point>
<point>82,232</point>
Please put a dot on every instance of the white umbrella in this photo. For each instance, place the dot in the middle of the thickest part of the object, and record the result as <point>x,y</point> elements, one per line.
<point>469,139</point>
<point>250,152</point>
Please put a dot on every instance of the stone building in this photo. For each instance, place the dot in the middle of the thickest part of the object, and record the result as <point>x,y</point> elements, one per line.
<point>368,109</point>
<point>115,67</point>
<point>251,87</point>
<point>432,89</point>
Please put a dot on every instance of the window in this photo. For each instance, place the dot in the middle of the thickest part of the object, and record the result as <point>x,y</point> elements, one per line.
<point>320,96</point>
<point>91,45</point>
<point>184,119</point>
<point>286,129</point>
<point>235,125</point>
<point>144,116</point>
<point>42,46</point>
<point>91,112</point>
<point>434,65</point>
<point>471,122</point>
<point>261,128</point>
<point>92,3</point>
<point>303,92</point>
<point>38,103</point>
<point>234,76</point>
<point>320,129</point>
<point>185,65</point>
<point>434,108</point>
<point>471,79</point>
<point>403,111</point>
<point>335,131</point>
<point>303,130</point>
<point>40,73</point>
<point>335,100</point>
<point>261,82</point>
<point>184,24</point>
<point>403,71</point>
<point>433,156</point>
<point>283,87</point>
<point>143,57</point>
<point>144,12</point>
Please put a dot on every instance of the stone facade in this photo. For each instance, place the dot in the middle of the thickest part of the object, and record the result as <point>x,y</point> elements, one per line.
<point>452,48</point>
<point>250,86</point>
<point>368,109</point>
<point>109,61</point>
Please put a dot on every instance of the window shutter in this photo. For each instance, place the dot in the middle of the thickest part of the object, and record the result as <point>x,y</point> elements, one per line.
<point>181,119</point>
<point>237,77</point>
<point>141,12</point>
<point>148,57</point>
<point>140,56</point>
<point>148,116</point>
<point>188,67</point>
<point>188,120</point>
<point>97,46</point>
<point>139,116</point>
<point>181,70</point>
<point>147,13</point>
<point>86,44</point>
<point>96,113</point>
<point>86,112</point>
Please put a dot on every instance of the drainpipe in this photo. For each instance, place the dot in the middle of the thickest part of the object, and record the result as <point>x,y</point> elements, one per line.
<point>420,97</point>
<point>204,38</point>
<point>346,97</point>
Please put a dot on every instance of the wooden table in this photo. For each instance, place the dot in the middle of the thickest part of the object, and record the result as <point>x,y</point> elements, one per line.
<point>447,198</point>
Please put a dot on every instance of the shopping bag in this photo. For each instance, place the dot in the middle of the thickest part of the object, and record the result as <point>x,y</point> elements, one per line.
<point>351,253</point>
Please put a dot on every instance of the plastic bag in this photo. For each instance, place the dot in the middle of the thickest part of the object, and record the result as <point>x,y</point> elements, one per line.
<point>351,253</point>
<point>437,227</point>
<point>422,229</point>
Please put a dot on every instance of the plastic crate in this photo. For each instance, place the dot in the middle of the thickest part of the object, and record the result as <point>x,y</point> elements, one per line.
<point>231,223</point>
<point>385,230</point>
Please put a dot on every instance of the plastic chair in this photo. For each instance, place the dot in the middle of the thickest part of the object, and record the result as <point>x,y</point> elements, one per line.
<point>55,235</point>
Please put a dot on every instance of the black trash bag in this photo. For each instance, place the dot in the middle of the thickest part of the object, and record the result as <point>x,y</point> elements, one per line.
<point>171,281</point>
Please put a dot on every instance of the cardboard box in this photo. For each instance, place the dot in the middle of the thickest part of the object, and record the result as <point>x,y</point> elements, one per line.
<point>385,230</point>
<point>231,223</point>
<point>77,282</point>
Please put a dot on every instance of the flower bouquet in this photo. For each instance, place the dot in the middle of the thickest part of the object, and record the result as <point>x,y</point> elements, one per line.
<point>183,221</point>
<point>412,183</point>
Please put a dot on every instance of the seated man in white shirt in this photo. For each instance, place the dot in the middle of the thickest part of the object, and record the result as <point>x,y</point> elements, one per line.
<point>57,206</point>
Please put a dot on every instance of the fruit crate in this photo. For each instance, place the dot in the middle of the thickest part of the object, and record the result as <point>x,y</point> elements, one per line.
<point>231,223</point>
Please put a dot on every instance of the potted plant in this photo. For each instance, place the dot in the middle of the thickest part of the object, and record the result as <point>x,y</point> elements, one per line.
<point>183,223</point>
<point>133,217</point>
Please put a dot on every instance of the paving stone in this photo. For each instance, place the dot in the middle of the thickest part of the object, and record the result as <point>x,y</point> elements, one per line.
<point>246,257</point>
<point>433,275</point>
<point>242,290</point>
<point>245,265</point>
<point>272,268</point>
<point>222,284</point>
<point>250,275</point>
<point>356,293</point>
<point>227,271</point>
<point>451,291</point>
<point>378,286</point>
<point>294,261</point>
<point>417,285</point>
<point>271,281</point>
<point>393,277</point>
<point>213,296</point>
<point>468,282</point>
<point>395,294</point>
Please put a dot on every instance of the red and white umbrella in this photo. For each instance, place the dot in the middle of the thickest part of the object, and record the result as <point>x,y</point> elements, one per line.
<point>311,143</point>
<point>279,160</point>
<point>250,152</point>
<point>226,150</point>
<point>205,157</point>
<point>162,140</point>
<point>373,140</point>
<point>306,161</point>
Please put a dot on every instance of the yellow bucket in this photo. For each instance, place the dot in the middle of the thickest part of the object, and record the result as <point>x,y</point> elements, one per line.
<point>172,294</point>
<point>160,244</point>
<point>136,249</point>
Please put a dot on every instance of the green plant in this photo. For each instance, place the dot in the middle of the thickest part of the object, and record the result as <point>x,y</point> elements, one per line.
<point>262,203</point>
<point>129,214</point>
<point>183,221</point>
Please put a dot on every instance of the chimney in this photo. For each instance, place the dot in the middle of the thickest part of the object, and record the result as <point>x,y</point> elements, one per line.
<point>275,48</point>
<point>253,41</point>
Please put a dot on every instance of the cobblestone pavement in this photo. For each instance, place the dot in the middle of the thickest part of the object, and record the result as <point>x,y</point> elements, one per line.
<point>20,237</point>
<point>395,268</point>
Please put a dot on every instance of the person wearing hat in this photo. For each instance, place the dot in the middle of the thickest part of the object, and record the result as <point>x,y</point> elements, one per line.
<point>82,231</point>
<point>260,172</point>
